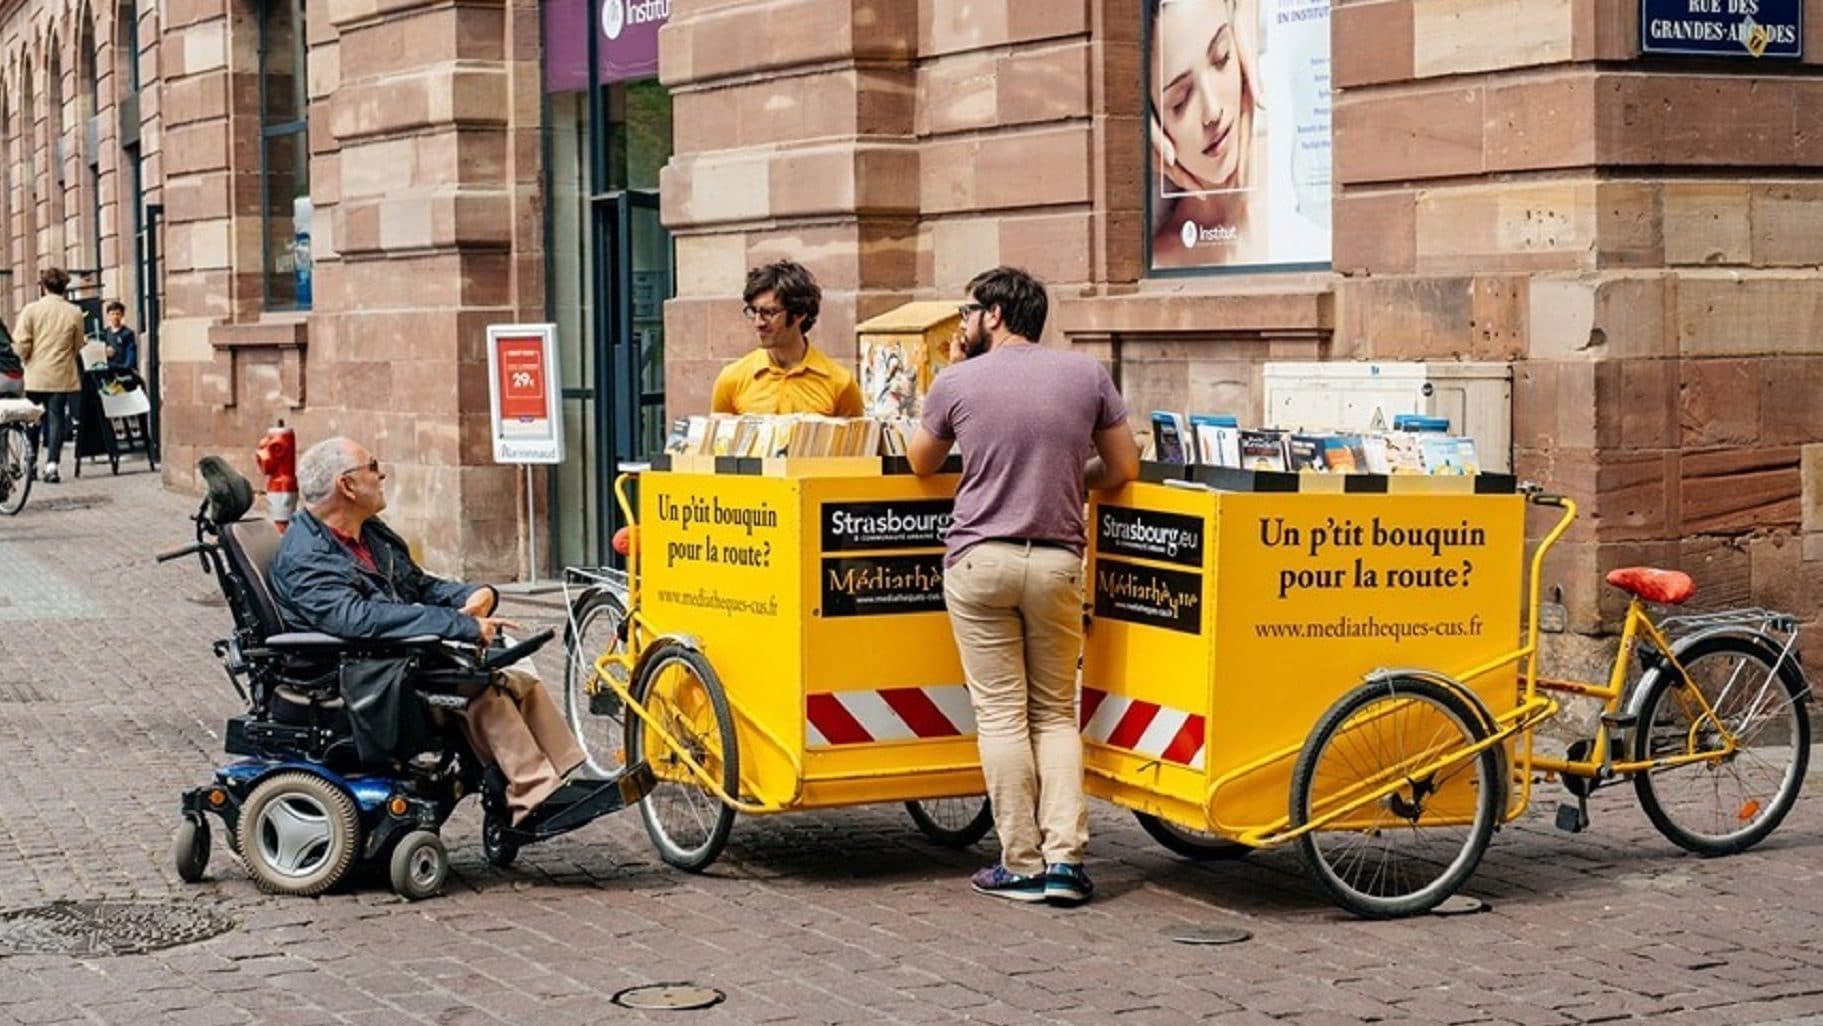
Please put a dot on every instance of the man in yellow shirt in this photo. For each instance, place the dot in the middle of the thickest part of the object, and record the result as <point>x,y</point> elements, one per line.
<point>786,374</point>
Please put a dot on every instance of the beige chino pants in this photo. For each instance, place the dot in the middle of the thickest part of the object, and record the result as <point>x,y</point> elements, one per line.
<point>518,726</point>
<point>1016,609</point>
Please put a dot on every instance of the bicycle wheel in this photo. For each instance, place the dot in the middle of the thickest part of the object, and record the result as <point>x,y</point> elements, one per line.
<point>15,469</point>
<point>1730,803</point>
<point>1406,851</point>
<point>688,825</point>
<point>598,720</point>
<point>953,822</point>
<point>1197,845</point>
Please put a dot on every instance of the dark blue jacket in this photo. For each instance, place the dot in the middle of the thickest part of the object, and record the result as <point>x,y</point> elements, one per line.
<point>320,587</point>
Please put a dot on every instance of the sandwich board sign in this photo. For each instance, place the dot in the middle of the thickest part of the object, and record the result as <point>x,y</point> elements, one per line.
<point>524,393</point>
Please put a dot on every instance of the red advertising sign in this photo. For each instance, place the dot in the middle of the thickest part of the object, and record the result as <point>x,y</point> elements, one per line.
<point>523,389</point>
<point>522,383</point>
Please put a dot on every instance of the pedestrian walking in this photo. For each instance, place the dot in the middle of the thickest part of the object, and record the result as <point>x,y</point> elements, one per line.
<point>48,337</point>
<point>1024,417</point>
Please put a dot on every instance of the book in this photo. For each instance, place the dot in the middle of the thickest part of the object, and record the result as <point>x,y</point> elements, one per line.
<point>1217,439</point>
<point>1304,452</point>
<point>1447,454</point>
<point>1262,450</point>
<point>1339,454</point>
<point>1173,441</point>
<point>1402,455</point>
<point>1373,455</point>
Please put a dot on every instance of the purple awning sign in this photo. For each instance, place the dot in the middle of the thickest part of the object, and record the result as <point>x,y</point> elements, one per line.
<point>626,32</point>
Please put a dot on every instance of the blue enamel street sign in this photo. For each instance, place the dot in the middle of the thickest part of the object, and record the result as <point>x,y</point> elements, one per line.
<point>1723,28</point>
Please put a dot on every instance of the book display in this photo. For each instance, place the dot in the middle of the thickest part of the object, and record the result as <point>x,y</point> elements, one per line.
<point>1416,445</point>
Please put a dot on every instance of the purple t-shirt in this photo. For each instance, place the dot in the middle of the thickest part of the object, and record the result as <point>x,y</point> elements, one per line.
<point>1025,418</point>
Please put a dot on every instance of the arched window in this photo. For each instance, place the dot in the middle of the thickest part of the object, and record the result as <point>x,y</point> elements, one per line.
<point>284,154</point>
<point>28,179</point>
<point>56,130</point>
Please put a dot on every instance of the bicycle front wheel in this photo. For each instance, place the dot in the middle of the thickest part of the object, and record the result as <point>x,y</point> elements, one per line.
<point>15,469</point>
<point>1404,852</point>
<point>1728,803</point>
<point>688,824</point>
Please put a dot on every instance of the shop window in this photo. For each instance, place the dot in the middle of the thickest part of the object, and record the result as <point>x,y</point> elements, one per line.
<point>284,155</point>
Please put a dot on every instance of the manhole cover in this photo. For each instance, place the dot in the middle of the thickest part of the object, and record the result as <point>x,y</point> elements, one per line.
<point>106,927</point>
<point>1460,905</point>
<point>72,502</point>
<point>1191,933</point>
<point>668,997</point>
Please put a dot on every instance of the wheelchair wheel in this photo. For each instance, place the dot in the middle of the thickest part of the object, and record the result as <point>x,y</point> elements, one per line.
<point>688,825</point>
<point>953,822</point>
<point>1196,845</point>
<point>420,865</point>
<point>598,720</point>
<point>190,849</point>
<point>298,834</point>
<point>498,851</point>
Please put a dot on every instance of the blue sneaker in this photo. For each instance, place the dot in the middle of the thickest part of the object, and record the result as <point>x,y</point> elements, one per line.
<point>1066,884</point>
<point>1000,882</point>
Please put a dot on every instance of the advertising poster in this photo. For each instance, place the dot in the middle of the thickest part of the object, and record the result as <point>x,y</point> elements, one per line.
<point>1238,137</point>
<point>522,397</point>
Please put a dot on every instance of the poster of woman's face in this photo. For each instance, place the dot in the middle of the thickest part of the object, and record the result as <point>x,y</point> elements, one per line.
<point>1228,185</point>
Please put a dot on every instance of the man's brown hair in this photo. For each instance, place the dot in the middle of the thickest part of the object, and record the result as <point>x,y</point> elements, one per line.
<point>55,279</point>
<point>792,284</point>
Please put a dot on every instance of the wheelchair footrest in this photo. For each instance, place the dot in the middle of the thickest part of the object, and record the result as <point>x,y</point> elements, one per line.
<point>609,796</point>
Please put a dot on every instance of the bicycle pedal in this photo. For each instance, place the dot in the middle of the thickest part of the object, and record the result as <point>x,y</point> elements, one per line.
<point>1572,819</point>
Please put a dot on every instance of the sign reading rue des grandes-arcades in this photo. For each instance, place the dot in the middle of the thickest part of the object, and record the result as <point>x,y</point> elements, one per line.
<point>1722,28</point>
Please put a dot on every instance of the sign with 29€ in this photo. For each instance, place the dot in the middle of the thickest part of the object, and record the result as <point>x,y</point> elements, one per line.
<point>524,393</point>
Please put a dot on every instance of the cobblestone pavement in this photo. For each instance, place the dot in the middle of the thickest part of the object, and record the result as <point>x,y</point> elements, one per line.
<point>110,703</point>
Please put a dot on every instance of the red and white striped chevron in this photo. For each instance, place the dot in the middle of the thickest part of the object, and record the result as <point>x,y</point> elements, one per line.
<point>889,714</point>
<point>1159,731</point>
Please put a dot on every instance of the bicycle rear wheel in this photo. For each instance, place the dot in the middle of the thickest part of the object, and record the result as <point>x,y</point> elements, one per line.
<point>1730,803</point>
<point>15,468</point>
<point>1406,851</point>
<point>597,719</point>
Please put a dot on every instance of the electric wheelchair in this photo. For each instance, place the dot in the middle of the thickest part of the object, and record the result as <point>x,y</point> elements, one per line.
<point>302,804</point>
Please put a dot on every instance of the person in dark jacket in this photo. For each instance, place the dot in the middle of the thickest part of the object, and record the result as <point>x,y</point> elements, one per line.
<point>343,572</point>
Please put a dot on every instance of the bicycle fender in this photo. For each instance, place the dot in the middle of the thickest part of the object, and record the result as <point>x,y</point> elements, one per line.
<point>1767,647</point>
<point>1443,680</point>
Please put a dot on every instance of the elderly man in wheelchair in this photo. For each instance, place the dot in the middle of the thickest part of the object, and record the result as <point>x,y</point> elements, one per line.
<point>377,697</point>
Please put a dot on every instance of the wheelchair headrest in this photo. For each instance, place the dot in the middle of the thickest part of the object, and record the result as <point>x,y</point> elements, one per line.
<point>229,494</point>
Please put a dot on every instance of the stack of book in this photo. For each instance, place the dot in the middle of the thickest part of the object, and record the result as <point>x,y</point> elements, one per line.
<point>1426,447</point>
<point>765,436</point>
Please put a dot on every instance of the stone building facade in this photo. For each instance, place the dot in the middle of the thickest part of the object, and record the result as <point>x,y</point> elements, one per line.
<point>1512,182</point>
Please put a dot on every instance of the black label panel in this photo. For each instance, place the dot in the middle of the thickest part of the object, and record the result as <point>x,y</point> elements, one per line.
<point>881,585</point>
<point>1149,534</point>
<point>898,524</point>
<point>1146,595</point>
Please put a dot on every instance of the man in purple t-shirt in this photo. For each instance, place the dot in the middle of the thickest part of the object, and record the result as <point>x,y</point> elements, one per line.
<point>1025,418</point>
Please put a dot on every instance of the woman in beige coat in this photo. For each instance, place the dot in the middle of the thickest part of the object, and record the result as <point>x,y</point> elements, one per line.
<point>48,337</point>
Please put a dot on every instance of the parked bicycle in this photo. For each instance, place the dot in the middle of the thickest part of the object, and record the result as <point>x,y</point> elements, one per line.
<point>18,450</point>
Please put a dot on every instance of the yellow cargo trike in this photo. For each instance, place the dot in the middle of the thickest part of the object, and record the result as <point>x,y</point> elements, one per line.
<point>1338,662</point>
<point>782,646</point>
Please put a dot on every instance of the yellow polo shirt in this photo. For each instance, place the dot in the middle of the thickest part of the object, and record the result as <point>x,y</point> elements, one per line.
<point>752,384</point>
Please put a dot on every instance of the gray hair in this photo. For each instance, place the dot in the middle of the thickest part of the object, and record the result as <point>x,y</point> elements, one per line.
<point>321,465</point>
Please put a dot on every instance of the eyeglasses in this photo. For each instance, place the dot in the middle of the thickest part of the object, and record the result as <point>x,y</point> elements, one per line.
<point>373,465</point>
<point>763,312</point>
<point>968,308</point>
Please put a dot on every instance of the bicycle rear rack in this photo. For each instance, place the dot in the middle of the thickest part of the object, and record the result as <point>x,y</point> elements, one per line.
<point>1753,618</point>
